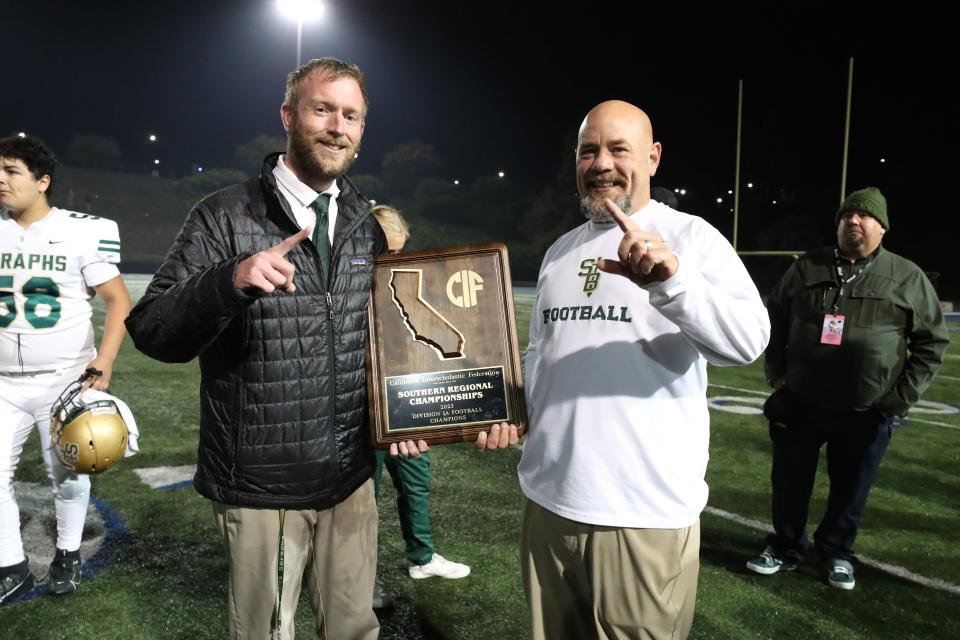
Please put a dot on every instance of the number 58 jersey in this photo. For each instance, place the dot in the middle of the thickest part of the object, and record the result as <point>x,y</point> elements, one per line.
<point>47,275</point>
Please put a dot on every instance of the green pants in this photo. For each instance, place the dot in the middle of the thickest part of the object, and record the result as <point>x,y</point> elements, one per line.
<point>411,477</point>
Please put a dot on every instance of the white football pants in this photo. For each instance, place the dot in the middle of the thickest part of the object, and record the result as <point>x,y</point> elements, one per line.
<point>25,401</point>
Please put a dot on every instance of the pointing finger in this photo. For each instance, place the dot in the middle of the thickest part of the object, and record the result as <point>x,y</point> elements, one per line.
<point>288,244</point>
<point>623,220</point>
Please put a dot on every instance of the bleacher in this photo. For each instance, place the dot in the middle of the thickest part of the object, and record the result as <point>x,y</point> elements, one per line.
<point>148,209</point>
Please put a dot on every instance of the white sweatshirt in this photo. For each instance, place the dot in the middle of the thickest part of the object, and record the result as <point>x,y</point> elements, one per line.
<point>616,373</point>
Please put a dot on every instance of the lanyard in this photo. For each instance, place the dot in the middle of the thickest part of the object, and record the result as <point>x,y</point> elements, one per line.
<point>843,282</point>
<point>276,623</point>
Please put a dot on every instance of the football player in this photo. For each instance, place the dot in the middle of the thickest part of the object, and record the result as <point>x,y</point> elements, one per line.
<point>52,263</point>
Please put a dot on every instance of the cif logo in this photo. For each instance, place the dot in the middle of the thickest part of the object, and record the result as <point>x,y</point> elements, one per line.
<point>462,288</point>
<point>591,275</point>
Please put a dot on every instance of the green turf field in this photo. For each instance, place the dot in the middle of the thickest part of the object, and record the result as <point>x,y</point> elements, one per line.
<point>169,579</point>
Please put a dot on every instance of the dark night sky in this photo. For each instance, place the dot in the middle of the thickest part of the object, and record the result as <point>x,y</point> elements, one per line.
<point>496,86</point>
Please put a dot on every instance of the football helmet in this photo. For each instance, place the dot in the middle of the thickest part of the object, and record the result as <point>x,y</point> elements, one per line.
<point>88,437</point>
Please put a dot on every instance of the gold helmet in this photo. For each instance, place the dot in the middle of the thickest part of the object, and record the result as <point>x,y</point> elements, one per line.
<point>88,437</point>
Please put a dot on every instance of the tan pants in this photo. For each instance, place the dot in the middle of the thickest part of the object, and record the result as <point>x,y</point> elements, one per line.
<point>336,547</point>
<point>584,581</point>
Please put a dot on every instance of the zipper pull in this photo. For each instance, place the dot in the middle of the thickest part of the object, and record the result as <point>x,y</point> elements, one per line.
<point>329,306</point>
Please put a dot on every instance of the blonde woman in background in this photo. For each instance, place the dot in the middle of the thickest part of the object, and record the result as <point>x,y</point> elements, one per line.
<point>411,477</point>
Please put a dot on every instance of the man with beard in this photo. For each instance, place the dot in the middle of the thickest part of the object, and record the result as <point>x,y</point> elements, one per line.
<point>630,308</point>
<point>278,318</point>
<point>857,336</point>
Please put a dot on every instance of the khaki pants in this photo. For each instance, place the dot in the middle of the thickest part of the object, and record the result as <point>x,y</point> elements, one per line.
<point>336,547</point>
<point>585,581</point>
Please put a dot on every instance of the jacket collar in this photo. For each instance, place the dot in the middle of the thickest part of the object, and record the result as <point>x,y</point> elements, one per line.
<point>352,206</point>
<point>821,265</point>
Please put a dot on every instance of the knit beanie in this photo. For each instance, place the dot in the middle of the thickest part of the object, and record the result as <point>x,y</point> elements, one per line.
<point>869,201</point>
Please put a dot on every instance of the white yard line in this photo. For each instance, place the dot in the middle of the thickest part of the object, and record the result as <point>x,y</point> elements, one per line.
<point>754,392</point>
<point>163,476</point>
<point>900,572</point>
<point>939,424</point>
<point>156,477</point>
<point>909,417</point>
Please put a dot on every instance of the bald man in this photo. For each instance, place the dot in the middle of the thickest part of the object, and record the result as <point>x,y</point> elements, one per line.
<point>630,307</point>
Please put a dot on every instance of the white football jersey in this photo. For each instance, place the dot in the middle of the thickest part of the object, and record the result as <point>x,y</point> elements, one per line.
<point>47,275</point>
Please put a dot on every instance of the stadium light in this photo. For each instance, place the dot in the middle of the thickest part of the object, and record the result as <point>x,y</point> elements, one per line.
<point>301,11</point>
<point>882,160</point>
<point>456,182</point>
<point>719,200</point>
<point>749,185</point>
<point>22,134</point>
<point>683,192</point>
<point>152,137</point>
<point>500,174</point>
<point>156,162</point>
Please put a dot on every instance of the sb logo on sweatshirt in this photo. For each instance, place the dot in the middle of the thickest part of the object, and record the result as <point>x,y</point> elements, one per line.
<point>591,275</point>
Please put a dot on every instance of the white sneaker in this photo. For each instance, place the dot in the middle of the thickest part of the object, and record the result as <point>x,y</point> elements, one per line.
<point>439,566</point>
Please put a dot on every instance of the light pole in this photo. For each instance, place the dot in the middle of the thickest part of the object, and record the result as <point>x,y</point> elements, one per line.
<point>301,11</point>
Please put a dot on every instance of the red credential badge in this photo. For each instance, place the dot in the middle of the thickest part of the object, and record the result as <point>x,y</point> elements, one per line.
<point>832,329</point>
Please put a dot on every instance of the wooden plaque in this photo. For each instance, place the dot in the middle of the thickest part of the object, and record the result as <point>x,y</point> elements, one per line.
<point>443,361</point>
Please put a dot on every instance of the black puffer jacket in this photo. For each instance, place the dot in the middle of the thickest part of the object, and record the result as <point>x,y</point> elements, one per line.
<point>283,402</point>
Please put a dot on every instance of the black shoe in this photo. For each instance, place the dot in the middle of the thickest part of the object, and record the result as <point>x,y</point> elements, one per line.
<point>64,576</point>
<point>15,580</point>
<point>381,599</point>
